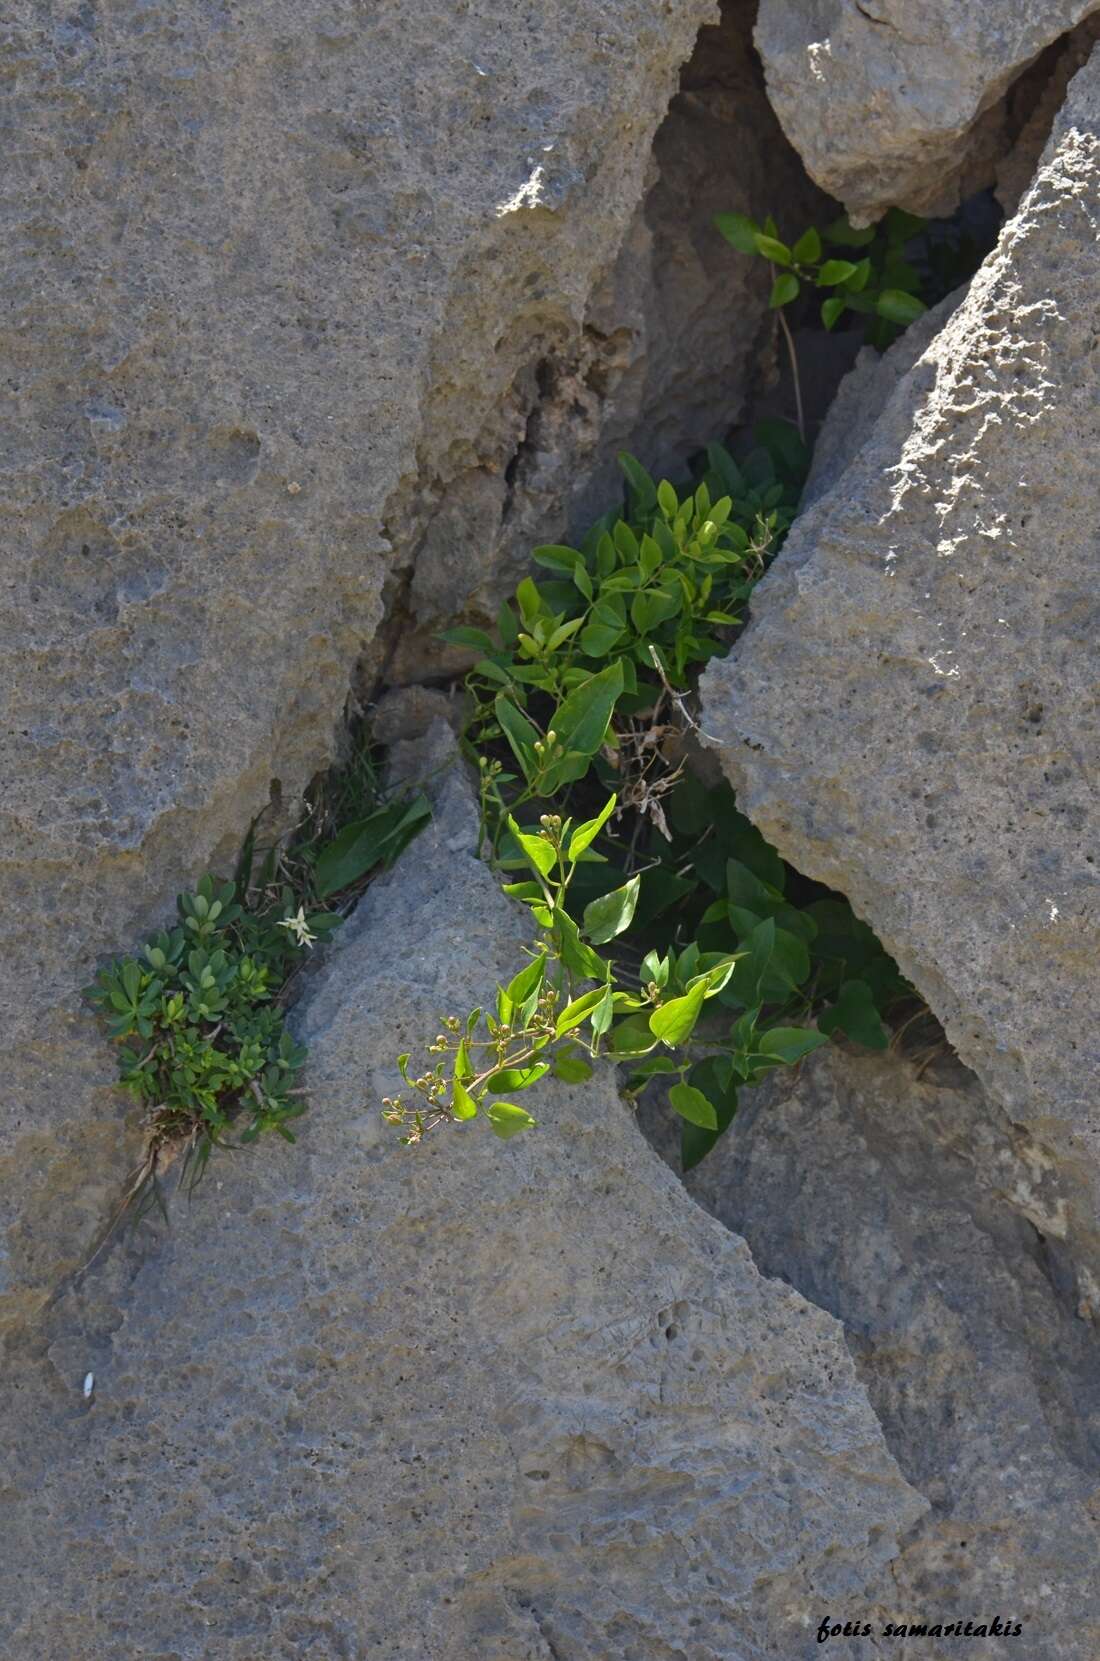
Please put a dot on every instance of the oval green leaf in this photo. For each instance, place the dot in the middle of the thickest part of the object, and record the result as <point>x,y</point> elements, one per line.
<point>692,1105</point>
<point>673,1022</point>
<point>508,1120</point>
<point>612,913</point>
<point>784,290</point>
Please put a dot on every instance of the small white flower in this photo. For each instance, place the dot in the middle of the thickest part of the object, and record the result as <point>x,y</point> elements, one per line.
<point>299,928</point>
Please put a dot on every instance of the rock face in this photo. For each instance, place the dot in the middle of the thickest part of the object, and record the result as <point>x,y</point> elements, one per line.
<point>913,716</point>
<point>277,279</point>
<point>915,1212</point>
<point>673,339</point>
<point>511,1401</point>
<point>885,101</point>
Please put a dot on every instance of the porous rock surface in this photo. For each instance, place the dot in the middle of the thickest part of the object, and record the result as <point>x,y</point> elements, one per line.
<point>276,276</point>
<point>910,1207</point>
<point>676,338</point>
<point>913,714</point>
<point>895,102</point>
<point>512,1401</point>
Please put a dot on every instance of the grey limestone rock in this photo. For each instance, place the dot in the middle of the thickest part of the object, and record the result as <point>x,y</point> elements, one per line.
<point>856,413</point>
<point>914,1210</point>
<point>885,99</point>
<point>675,337</point>
<point>913,714</point>
<point>512,1401</point>
<point>275,273</point>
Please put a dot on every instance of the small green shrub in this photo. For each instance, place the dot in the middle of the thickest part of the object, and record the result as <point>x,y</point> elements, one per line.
<point>203,1045</point>
<point>726,963</point>
<point>198,1013</point>
<point>878,281</point>
<point>651,594</point>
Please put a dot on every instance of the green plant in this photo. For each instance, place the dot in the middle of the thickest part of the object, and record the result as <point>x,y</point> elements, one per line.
<point>198,1014</point>
<point>203,1045</point>
<point>726,963</point>
<point>349,829</point>
<point>544,1021</point>
<point>652,592</point>
<point>879,282</point>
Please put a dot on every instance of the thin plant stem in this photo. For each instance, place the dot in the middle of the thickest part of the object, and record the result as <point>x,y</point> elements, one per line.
<point>793,355</point>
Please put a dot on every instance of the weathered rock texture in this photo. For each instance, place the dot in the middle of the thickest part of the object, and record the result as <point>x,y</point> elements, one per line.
<point>899,102</point>
<point>914,713</point>
<point>673,339</point>
<point>509,1401</point>
<point>284,284</point>
<point>921,1217</point>
<point>1031,105</point>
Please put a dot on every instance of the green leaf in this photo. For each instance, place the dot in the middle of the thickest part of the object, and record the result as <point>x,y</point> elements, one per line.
<point>563,632</point>
<point>528,980</point>
<point>717,976</point>
<point>571,1069</point>
<point>790,1044</point>
<point>556,557</point>
<point>612,913</point>
<point>491,671</point>
<point>738,230</point>
<point>650,1069</point>
<point>745,888</point>
<point>506,625</point>
<point>462,1102</point>
<point>366,842</point>
<point>899,307</point>
<point>693,1106</point>
<point>508,1120</point>
<point>790,961</point>
<point>576,1013</point>
<point>854,1014</point>
<point>581,721</point>
<point>653,606</point>
<point>538,851</point>
<point>640,482</point>
<point>784,289</point>
<point>714,1078</point>
<point>529,600</point>
<point>835,271</point>
<point>625,541</point>
<point>463,636</point>
<point>576,956</point>
<point>807,250</point>
<point>859,278</point>
<point>772,249</point>
<point>526,891</point>
<point>673,1022</point>
<point>750,972</point>
<point>632,1037</point>
<point>586,834</point>
<point>597,639</point>
<point>603,1013</point>
<point>667,499</point>
<point>519,732</point>
<point>832,309</point>
<point>651,556</point>
<point>516,1078</point>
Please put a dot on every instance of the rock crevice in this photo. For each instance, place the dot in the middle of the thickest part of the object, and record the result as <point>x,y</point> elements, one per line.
<point>478,1399</point>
